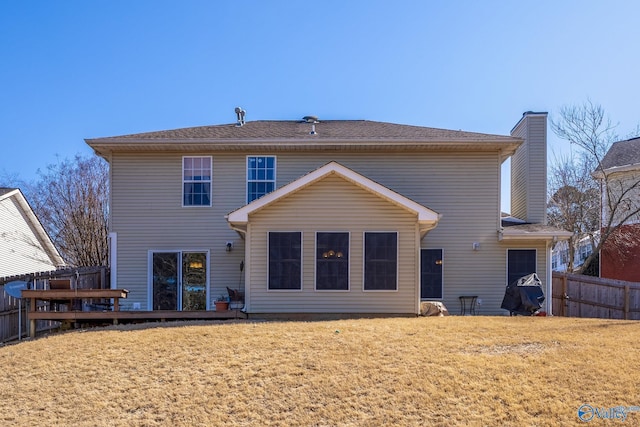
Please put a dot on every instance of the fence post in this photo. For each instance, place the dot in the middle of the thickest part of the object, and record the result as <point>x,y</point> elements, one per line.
<point>626,302</point>
<point>565,301</point>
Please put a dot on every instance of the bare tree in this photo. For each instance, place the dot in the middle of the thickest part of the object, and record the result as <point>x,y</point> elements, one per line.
<point>581,184</point>
<point>573,203</point>
<point>71,200</point>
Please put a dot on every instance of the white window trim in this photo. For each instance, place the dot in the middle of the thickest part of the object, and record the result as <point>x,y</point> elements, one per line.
<point>183,181</point>
<point>150,253</point>
<point>315,265</point>
<point>301,261</point>
<point>275,173</point>
<point>364,261</point>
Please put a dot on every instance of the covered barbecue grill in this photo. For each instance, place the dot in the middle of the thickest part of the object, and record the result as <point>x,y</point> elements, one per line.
<point>524,296</point>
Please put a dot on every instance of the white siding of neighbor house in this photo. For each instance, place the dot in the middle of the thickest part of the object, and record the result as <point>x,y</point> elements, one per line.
<point>333,204</point>
<point>624,181</point>
<point>147,214</point>
<point>21,252</point>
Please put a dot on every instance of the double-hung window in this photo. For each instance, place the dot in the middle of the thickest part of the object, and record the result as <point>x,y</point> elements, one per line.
<point>380,261</point>
<point>285,260</point>
<point>261,176</point>
<point>332,261</point>
<point>196,181</point>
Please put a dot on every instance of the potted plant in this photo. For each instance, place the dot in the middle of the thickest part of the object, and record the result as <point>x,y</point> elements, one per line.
<point>222,303</point>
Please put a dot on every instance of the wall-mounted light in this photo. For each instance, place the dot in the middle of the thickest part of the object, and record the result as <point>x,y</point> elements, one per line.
<point>476,246</point>
<point>229,246</point>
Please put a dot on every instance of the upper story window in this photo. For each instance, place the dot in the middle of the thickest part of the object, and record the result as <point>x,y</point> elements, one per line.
<point>261,176</point>
<point>196,181</point>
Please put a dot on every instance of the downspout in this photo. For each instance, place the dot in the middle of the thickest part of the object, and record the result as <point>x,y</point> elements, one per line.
<point>113,259</point>
<point>247,263</point>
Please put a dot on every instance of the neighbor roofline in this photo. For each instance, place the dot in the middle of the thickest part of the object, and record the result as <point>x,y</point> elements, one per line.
<point>509,233</point>
<point>36,226</point>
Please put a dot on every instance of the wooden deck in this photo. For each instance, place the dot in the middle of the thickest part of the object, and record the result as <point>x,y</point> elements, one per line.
<point>137,315</point>
<point>37,312</point>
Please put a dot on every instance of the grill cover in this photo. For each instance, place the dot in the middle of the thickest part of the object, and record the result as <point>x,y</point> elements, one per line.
<point>524,296</point>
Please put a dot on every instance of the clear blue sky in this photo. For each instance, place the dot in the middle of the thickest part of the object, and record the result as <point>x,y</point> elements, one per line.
<point>78,69</point>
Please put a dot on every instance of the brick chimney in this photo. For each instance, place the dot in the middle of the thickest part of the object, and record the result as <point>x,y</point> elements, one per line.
<point>529,169</point>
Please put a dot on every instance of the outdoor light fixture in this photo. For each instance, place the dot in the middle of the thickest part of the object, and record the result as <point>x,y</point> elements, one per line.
<point>229,246</point>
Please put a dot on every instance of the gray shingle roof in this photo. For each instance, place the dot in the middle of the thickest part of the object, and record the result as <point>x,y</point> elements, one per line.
<point>5,190</point>
<point>622,153</point>
<point>330,129</point>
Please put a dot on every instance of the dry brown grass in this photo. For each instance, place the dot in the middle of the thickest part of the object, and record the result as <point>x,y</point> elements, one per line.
<point>419,371</point>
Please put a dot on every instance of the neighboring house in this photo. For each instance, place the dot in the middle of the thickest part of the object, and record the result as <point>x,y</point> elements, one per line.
<point>25,247</point>
<point>560,253</point>
<point>314,216</point>
<point>620,255</point>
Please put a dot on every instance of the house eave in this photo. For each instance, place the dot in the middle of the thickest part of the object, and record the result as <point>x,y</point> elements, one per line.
<point>506,234</point>
<point>599,174</point>
<point>105,147</point>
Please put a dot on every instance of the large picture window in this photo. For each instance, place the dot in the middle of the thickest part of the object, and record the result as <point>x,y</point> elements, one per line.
<point>332,261</point>
<point>285,260</point>
<point>380,261</point>
<point>196,181</point>
<point>261,176</point>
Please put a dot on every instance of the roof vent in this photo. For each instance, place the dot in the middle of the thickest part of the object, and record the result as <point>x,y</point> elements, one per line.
<point>240,115</point>
<point>313,130</point>
<point>311,119</point>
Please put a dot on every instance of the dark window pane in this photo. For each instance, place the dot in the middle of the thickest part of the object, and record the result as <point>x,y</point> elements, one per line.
<point>380,261</point>
<point>332,261</point>
<point>521,262</point>
<point>165,281</point>
<point>285,260</point>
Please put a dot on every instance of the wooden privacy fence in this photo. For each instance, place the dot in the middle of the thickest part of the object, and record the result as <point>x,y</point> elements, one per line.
<point>79,278</point>
<point>575,295</point>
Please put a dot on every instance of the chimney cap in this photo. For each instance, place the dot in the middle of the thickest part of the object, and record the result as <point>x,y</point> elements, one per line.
<point>311,119</point>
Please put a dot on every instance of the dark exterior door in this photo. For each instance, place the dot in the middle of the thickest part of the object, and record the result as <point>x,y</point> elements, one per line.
<point>520,262</point>
<point>430,273</point>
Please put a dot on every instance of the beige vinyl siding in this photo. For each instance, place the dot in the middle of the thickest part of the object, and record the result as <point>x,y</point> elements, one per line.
<point>529,170</point>
<point>333,204</point>
<point>462,187</point>
<point>20,249</point>
<point>147,214</point>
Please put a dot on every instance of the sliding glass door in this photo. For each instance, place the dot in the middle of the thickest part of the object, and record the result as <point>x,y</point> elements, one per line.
<point>179,280</point>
